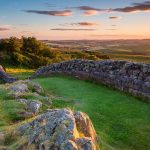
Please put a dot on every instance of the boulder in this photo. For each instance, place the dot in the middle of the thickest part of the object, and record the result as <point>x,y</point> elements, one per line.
<point>58,129</point>
<point>19,88</point>
<point>34,106</point>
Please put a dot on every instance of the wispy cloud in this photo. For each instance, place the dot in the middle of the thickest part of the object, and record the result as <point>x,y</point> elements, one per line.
<point>72,29</point>
<point>4,29</point>
<point>63,13</point>
<point>114,17</point>
<point>84,23</point>
<point>136,7</point>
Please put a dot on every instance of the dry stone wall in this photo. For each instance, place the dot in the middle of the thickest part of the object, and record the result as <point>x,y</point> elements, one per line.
<point>126,76</point>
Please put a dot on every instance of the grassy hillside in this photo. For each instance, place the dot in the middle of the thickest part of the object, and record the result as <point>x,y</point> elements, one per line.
<point>121,121</point>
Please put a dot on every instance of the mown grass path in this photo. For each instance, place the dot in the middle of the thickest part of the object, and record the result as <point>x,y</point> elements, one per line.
<point>121,121</point>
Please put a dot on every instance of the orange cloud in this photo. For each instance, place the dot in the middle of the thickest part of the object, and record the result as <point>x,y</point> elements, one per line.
<point>89,11</point>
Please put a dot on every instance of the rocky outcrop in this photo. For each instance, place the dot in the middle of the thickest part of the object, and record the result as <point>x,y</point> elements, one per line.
<point>30,95</point>
<point>126,76</point>
<point>53,129</point>
<point>5,77</point>
<point>58,129</point>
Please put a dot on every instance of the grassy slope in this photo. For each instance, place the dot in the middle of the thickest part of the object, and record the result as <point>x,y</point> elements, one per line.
<point>121,121</point>
<point>9,109</point>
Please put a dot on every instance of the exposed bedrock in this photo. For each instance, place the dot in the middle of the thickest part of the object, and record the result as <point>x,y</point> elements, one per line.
<point>58,129</point>
<point>130,77</point>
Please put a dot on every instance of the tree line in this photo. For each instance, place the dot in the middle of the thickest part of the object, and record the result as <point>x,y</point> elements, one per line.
<point>31,53</point>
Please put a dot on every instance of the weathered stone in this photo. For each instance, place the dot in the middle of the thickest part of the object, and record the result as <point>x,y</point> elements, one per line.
<point>19,88</point>
<point>84,125</point>
<point>57,130</point>
<point>123,75</point>
<point>34,106</point>
<point>85,143</point>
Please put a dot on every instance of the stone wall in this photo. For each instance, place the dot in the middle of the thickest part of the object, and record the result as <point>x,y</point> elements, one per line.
<point>126,76</point>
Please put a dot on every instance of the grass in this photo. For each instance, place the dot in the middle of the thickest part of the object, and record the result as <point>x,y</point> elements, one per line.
<point>122,122</point>
<point>9,109</point>
<point>19,72</point>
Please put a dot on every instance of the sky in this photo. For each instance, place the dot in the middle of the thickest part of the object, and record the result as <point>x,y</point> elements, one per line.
<point>75,19</point>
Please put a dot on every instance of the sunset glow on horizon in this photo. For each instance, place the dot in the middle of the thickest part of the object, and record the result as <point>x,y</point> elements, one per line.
<point>75,20</point>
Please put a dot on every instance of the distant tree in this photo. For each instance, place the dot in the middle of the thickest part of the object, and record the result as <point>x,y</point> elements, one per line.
<point>46,52</point>
<point>31,45</point>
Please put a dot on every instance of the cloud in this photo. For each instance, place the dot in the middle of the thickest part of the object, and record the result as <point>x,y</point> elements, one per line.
<point>89,11</point>
<point>71,29</point>
<point>4,29</point>
<point>114,17</point>
<point>136,7</point>
<point>85,23</point>
<point>51,13</point>
<point>80,24</point>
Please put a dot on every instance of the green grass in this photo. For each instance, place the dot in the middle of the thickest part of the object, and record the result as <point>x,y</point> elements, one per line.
<point>9,109</point>
<point>121,121</point>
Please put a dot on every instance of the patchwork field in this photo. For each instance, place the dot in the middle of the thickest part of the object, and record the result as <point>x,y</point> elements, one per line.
<point>121,121</point>
<point>130,50</point>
